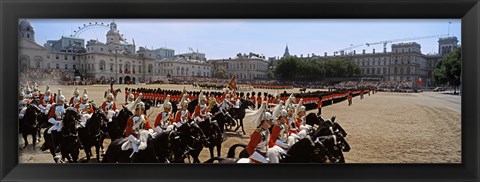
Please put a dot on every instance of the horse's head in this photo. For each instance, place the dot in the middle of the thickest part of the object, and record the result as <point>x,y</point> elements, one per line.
<point>335,145</point>
<point>72,116</point>
<point>246,104</point>
<point>312,119</point>
<point>33,109</point>
<point>98,119</point>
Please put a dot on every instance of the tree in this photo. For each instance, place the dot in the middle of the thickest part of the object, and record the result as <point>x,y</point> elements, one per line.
<point>449,69</point>
<point>294,68</point>
<point>220,72</point>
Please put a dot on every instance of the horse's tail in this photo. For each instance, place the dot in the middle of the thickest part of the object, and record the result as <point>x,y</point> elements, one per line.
<point>214,159</point>
<point>231,150</point>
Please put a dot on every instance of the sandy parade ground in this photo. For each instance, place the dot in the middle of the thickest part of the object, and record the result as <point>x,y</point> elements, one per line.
<point>382,128</point>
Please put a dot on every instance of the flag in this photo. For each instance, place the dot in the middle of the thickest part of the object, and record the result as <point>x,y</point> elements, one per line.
<point>232,83</point>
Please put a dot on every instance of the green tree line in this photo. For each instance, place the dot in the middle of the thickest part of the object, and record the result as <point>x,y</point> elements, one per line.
<point>449,69</point>
<point>294,68</point>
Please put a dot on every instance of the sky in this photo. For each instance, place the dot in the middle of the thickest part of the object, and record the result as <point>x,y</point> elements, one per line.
<point>224,38</point>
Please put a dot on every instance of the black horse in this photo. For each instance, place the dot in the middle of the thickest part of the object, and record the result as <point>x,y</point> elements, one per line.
<point>92,135</point>
<point>116,128</point>
<point>239,113</point>
<point>336,145</point>
<point>68,140</point>
<point>166,147</point>
<point>325,127</point>
<point>305,150</point>
<point>212,130</point>
<point>28,124</point>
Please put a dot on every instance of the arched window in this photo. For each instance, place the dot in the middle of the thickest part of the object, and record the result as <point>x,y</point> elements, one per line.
<point>395,70</point>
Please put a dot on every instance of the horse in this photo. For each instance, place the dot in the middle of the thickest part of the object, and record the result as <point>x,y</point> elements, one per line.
<point>115,93</point>
<point>116,128</point>
<point>68,145</point>
<point>92,134</point>
<point>212,129</point>
<point>165,147</point>
<point>305,150</point>
<point>239,113</point>
<point>325,127</point>
<point>28,124</point>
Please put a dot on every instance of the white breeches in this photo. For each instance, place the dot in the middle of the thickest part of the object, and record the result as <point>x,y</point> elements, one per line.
<point>45,109</point>
<point>160,130</point>
<point>274,154</point>
<point>22,113</point>
<point>57,125</point>
<point>258,157</point>
<point>282,144</point>
<point>83,120</point>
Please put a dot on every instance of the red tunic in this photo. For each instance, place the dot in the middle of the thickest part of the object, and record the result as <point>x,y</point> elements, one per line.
<point>275,135</point>
<point>105,105</point>
<point>256,139</point>
<point>178,116</point>
<point>159,119</point>
<point>319,104</point>
<point>50,101</point>
<point>129,128</point>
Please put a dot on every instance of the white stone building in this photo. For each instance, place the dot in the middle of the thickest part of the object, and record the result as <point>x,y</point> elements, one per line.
<point>114,60</point>
<point>184,67</point>
<point>245,67</point>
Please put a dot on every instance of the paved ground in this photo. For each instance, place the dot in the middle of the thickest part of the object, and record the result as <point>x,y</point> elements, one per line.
<point>382,128</point>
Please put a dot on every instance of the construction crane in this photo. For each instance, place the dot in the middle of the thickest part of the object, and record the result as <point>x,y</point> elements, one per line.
<point>385,42</point>
<point>342,51</point>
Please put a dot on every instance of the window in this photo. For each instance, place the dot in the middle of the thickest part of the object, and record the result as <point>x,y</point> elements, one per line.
<point>28,35</point>
<point>66,66</point>
<point>111,67</point>
<point>56,56</point>
<point>65,57</point>
<point>74,67</point>
<point>73,57</point>
<point>48,65</point>
<point>58,66</point>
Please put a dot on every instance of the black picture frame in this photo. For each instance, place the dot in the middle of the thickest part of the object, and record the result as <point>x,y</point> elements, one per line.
<point>467,10</point>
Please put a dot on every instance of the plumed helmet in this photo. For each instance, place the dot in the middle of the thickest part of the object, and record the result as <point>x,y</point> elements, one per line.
<point>60,97</point>
<point>76,91</point>
<point>29,89</point>
<point>85,96</point>
<point>267,116</point>
<point>131,96</point>
<point>302,109</point>
<point>184,102</point>
<point>167,105</point>
<point>109,96</point>
<point>283,112</point>
<point>203,98</point>
<point>140,105</point>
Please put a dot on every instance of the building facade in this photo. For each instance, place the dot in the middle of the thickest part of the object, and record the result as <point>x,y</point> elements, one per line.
<point>184,67</point>
<point>404,62</point>
<point>244,67</point>
<point>114,60</point>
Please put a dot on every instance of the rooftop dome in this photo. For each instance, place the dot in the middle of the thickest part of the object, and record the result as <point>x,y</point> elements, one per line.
<point>25,25</point>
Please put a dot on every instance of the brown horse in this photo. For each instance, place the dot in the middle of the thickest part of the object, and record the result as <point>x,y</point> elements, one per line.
<point>115,93</point>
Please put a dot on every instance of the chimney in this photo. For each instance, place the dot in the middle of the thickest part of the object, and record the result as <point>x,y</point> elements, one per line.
<point>308,55</point>
<point>354,52</point>
<point>373,51</point>
<point>301,55</point>
<point>384,50</point>
<point>325,54</point>
<point>364,51</point>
